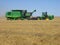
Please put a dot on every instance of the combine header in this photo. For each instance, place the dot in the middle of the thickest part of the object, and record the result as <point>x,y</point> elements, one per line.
<point>23,14</point>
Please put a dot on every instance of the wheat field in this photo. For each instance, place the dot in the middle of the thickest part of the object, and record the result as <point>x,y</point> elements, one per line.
<point>30,32</point>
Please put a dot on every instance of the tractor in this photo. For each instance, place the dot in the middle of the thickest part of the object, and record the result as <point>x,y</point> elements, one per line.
<point>45,16</point>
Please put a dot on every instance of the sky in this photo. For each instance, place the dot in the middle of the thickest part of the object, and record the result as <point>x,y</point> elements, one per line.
<point>51,6</point>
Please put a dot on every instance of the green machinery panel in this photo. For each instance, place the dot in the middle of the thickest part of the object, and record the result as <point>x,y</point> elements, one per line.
<point>16,14</point>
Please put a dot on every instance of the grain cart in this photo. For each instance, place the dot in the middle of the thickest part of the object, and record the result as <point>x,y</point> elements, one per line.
<point>19,14</point>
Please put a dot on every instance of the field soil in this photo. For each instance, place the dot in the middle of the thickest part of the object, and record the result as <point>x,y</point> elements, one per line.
<point>30,32</point>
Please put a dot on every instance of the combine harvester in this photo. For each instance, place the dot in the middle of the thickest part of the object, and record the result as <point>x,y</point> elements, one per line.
<point>23,14</point>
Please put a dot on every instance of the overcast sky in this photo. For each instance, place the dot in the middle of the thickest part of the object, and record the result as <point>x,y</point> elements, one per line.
<point>51,6</point>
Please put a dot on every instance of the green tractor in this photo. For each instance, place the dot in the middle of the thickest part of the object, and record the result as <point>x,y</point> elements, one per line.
<point>45,16</point>
<point>19,14</point>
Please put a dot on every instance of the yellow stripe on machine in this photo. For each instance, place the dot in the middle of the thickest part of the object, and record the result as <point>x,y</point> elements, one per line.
<point>47,19</point>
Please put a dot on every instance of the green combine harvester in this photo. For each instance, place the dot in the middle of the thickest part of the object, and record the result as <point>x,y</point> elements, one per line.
<point>23,14</point>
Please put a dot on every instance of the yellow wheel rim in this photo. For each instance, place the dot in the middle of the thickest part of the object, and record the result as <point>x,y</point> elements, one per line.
<point>47,19</point>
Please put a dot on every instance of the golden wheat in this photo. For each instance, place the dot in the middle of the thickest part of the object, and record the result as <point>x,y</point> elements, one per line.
<point>30,32</point>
